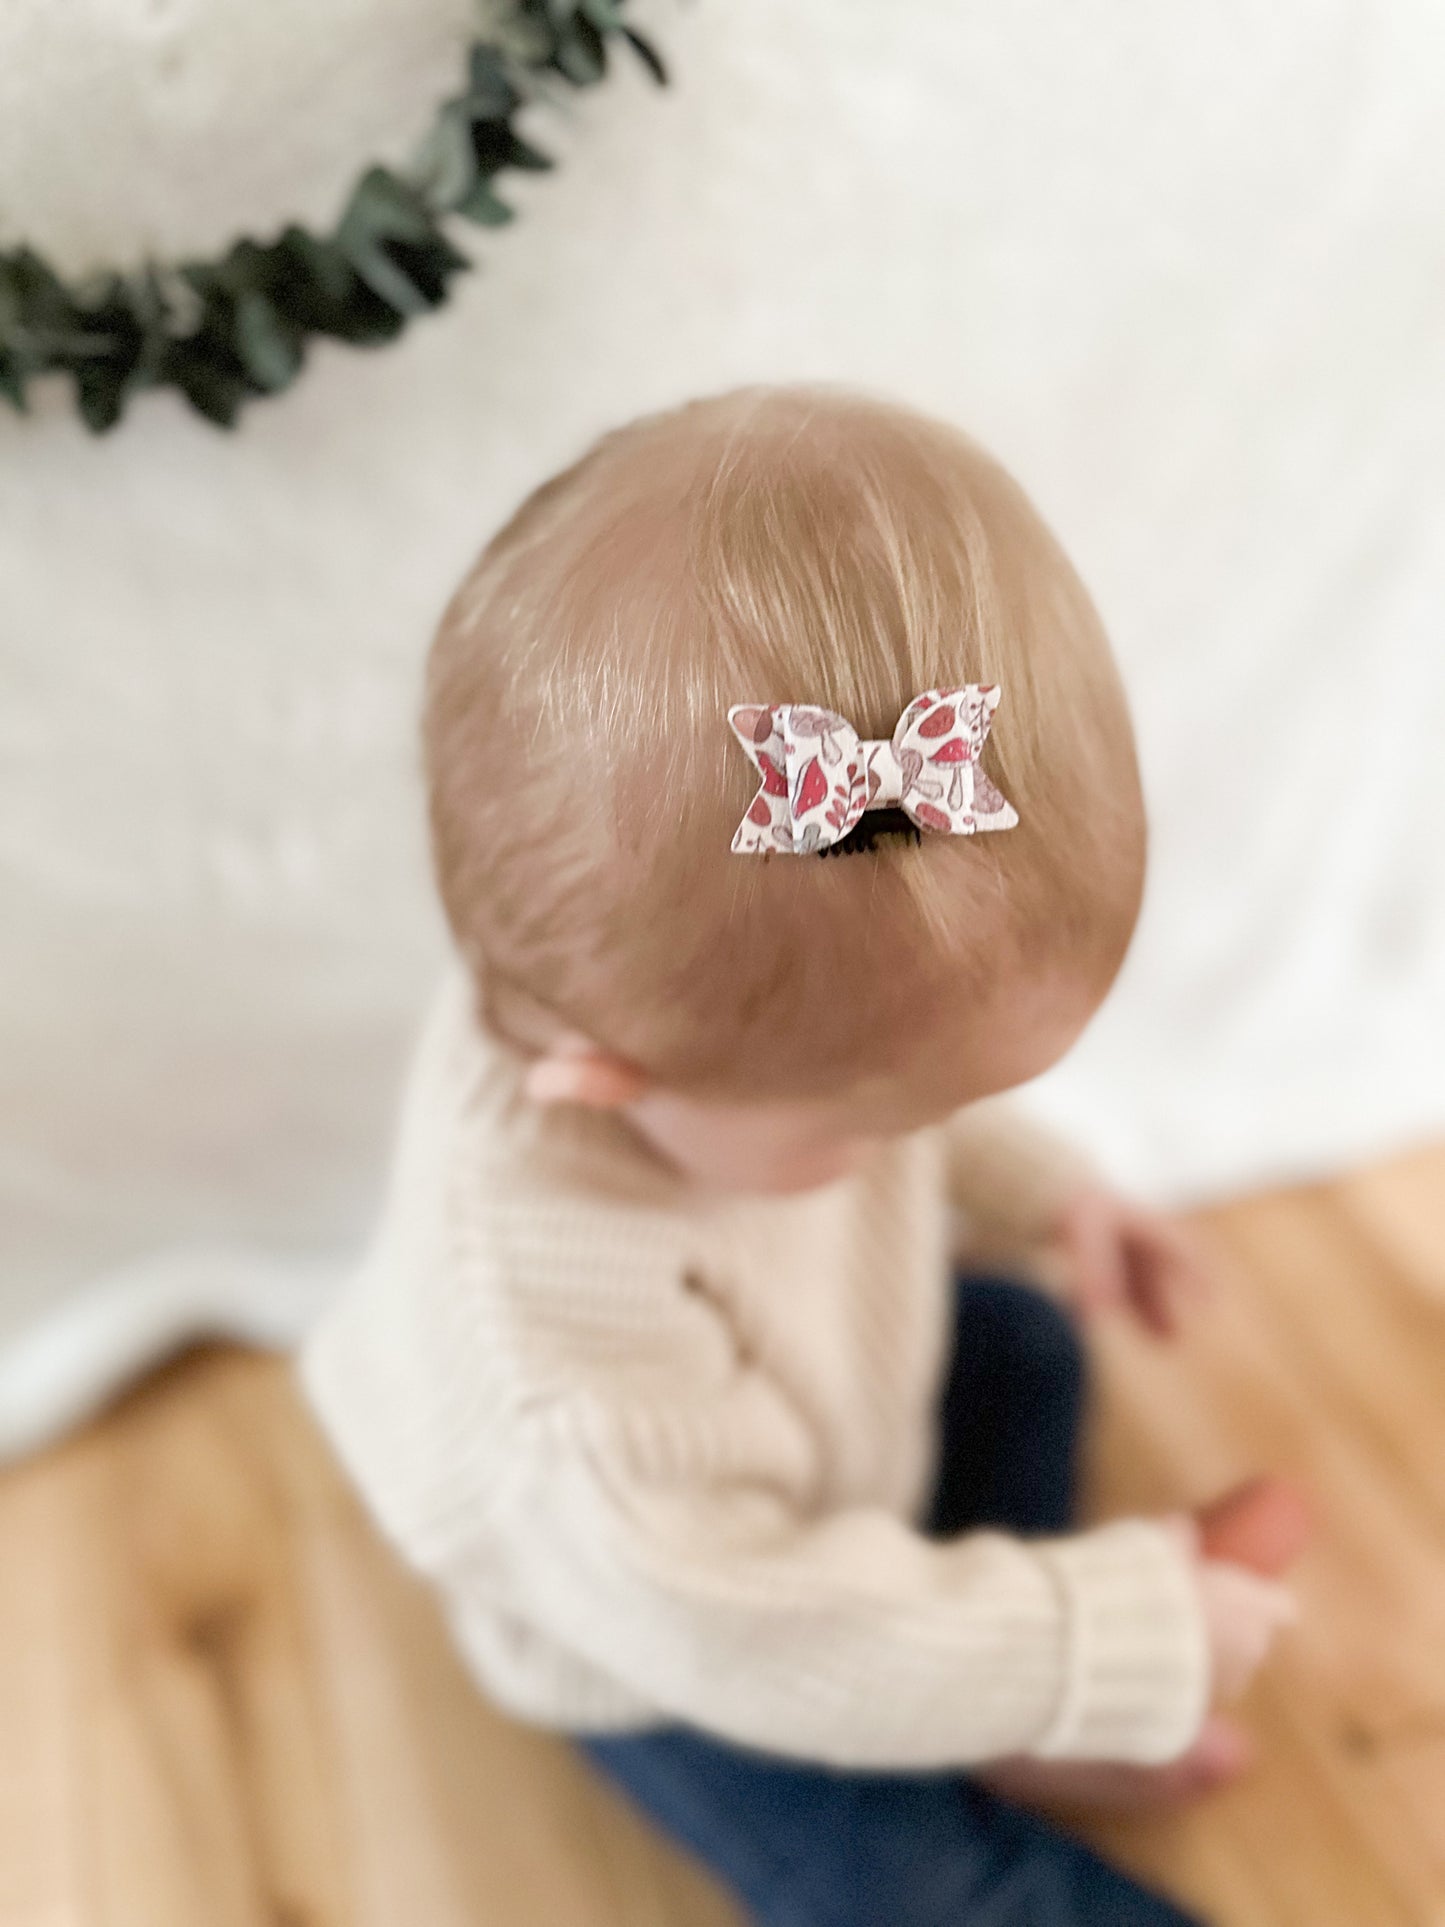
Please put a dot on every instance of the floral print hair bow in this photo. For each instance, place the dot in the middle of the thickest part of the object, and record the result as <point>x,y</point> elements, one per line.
<point>819,776</point>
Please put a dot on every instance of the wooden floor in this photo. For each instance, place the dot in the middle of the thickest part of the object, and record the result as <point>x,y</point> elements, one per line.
<point>221,1705</point>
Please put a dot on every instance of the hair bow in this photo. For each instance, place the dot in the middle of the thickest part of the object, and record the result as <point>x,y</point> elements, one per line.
<point>819,776</point>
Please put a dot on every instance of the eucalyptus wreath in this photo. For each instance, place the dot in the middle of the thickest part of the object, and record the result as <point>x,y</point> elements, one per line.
<point>227,331</point>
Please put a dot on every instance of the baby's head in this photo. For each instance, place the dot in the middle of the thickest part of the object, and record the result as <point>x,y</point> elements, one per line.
<point>762,1019</point>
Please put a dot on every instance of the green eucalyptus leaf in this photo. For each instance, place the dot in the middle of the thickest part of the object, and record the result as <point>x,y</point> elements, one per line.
<point>211,381</point>
<point>647,54</point>
<point>428,266</point>
<point>446,165</point>
<point>37,287</point>
<point>12,306</point>
<point>105,346</point>
<point>313,278</point>
<point>490,94</point>
<point>244,268</point>
<point>390,281</point>
<point>147,298</point>
<point>383,213</point>
<point>269,345</point>
<point>323,294</point>
<point>525,38</point>
<point>520,153</point>
<point>495,147</point>
<point>483,207</point>
<point>581,54</point>
<point>383,206</point>
<point>605,15</point>
<point>43,326</point>
<point>100,392</point>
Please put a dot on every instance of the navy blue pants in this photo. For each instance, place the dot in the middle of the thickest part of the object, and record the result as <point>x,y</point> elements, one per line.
<point>806,1846</point>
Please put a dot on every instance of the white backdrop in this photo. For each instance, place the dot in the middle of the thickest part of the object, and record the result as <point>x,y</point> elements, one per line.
<point>1183,268</point>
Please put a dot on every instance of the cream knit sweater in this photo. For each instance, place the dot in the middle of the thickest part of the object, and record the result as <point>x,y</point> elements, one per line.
<point>661,1454</point>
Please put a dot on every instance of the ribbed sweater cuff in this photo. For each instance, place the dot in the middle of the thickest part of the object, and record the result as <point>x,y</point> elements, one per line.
<point>1137,1667</point>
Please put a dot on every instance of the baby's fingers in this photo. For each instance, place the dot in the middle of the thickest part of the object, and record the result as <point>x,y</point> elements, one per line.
<point>1089,1235</point>
<point>1244,1613</point>
<point>1166,1270</point>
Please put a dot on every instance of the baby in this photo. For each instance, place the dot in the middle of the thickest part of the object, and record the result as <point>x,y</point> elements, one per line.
<point>785,811</point>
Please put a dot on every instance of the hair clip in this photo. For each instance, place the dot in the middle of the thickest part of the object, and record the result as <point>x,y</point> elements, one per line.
<point>819,776</point>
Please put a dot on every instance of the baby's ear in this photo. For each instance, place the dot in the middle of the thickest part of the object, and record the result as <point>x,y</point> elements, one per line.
<point>575,1071</point>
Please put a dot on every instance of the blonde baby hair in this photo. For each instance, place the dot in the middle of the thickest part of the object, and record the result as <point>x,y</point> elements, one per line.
<point>771,545</point>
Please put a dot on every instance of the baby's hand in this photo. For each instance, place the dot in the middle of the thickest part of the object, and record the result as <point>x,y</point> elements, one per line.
<point>1119,1253</point>
<point>1241,1543</point>
<point>1243,1614</point>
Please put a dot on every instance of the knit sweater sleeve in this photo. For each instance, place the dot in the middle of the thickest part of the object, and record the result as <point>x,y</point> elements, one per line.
<point>846,1637</point>
<point>1009,1176</point>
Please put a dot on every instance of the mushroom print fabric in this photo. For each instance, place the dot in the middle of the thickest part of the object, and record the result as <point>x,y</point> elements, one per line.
<point>819,776</point>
